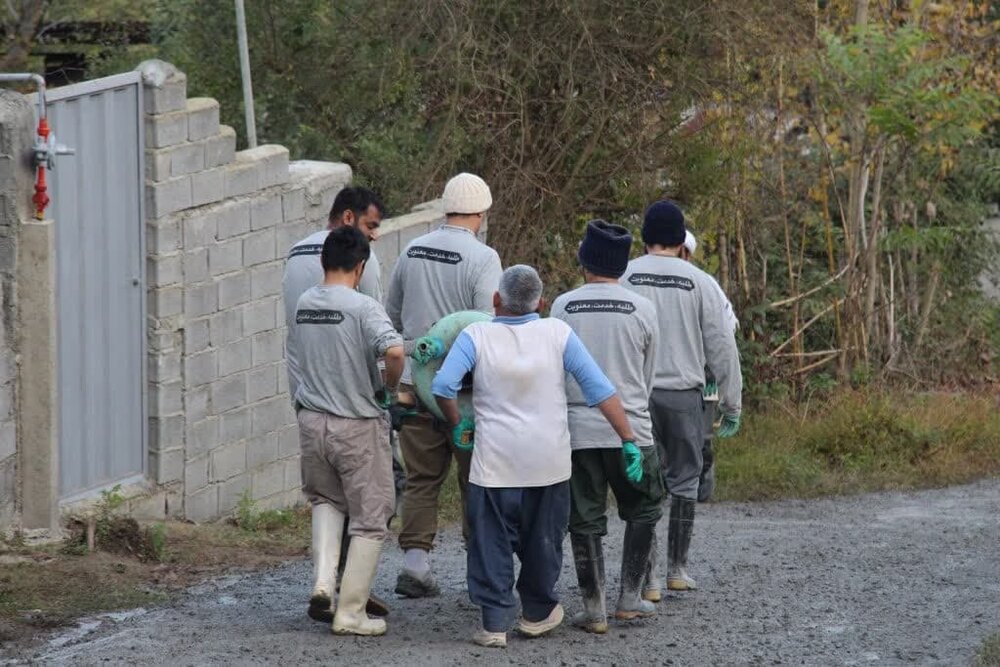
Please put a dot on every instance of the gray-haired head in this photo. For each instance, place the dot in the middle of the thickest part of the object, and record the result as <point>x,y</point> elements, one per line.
<point>520,289</point>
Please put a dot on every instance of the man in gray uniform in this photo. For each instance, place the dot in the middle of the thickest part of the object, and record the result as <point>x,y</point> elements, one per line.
<point>693,333</point>
<point>620,330</point>
<point>340,402</point>
<point>352,207</point>
<point>437,274</point>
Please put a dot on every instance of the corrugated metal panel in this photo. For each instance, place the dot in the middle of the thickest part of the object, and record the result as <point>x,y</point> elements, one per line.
<point>97,206</point>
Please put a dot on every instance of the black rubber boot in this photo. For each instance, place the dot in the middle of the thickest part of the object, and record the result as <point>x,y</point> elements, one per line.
<point>635,558</point>
<point>588,556</point>
<point>652,584</point>
<point>706,481</point>
<point>678,543</point>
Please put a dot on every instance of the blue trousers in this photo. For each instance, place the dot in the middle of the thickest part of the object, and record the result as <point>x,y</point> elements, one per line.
<point>530,522</point>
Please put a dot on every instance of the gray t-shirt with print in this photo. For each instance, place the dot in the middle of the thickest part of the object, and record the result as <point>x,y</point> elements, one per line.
<point>619,329</point>
<point>338,336</point>
<point>440,273</point>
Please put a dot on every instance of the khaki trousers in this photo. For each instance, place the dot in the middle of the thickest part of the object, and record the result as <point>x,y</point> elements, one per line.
<point>348,464</point>
<point>427,454</point>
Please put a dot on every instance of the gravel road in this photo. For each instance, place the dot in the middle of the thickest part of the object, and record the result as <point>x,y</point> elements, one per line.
<point>888,578</point>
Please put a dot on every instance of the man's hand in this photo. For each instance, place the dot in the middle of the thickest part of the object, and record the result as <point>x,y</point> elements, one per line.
<point>463,434</point>
<point>385,397</point>
<point>427,349</point>
<point>633,461</point>
<point>729,427</point>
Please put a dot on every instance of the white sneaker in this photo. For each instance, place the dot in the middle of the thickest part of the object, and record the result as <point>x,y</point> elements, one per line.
<point>539,628</point>
<point>490,639</point>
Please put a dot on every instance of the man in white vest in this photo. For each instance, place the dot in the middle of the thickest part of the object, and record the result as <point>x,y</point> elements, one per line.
<point>518,494</point>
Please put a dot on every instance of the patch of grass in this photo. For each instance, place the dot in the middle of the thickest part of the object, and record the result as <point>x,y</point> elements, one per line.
<point>252,518</point>
<point>860,441</point>
<point>988,654</point>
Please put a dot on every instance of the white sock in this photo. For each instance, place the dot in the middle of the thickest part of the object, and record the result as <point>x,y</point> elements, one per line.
<point>416,561</point>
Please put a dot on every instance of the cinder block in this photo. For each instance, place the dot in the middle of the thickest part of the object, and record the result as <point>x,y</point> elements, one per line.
<point>275,159</point>
<point>202,505</point>
<point>197,335</point>
<point>269,480</point>
<point>166,397</point>
<point>170,96</point>
<point>187,158</point>
<point>221,149</point>
<point>203,118</point>
<point>165,197</point>
<point>196,266</point>
<point>259,316</point>
<point>162,270</point>
<point>208,187</point>
<point>157,164</point>
<point>234,425</point>
<point>288,441</point>
<point>265,212</point>
<point>270,415</point>
<point>259,247</point>
<point>262,450</point>
<point>174,496</point>
<point>231,492</point>
<point>228,460</point>
<point>167,466</point>
<point>199,230</point>
<point>265,280</point>
<point>163,236</point>
<point>161,341</point>
<point>225,257</point>
<point>291,233</point>
<point>242,176</point>
<point>229,392</point>
<point>201,368</point>
<point>201,299</point>
<point>168,129</point>
<point>8,440</point>
<point>196,472</point>
<point>268,347</point>
<point>7,401</point>
<point>234,289</point>
<point>262,382</point>
<point>293,205</point>
<point>164,366</point>
<point>149,508</point>
<point>202,436</point>
<point>233,219</point>
<point>282,379</point>
<point>226,326</point>
<point>165,301</point>
<point>235,357</point>
<point>165,432</point>
<point>196,400</point>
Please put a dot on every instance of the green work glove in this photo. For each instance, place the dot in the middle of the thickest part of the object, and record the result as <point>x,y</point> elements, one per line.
<point>633,461</point>
<point>729,427</point>
<point>385,397</point>
<point>463,434</point>
<point>711,388</point>
<point>427,349</point>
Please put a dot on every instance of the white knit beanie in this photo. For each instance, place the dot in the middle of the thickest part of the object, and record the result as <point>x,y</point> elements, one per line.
<point>466,194</point>
<point>690,242</point>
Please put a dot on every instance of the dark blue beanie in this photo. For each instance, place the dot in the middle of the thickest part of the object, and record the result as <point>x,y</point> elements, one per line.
<point>663,225</point>
<point>605,249</point>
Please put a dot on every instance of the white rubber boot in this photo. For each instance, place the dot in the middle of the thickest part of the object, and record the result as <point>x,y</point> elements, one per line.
<point>362,562</point>
<point>327,526</point>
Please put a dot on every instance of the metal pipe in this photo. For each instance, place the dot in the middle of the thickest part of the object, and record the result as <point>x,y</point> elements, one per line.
<point>241,35</point>
<point>39,81</point>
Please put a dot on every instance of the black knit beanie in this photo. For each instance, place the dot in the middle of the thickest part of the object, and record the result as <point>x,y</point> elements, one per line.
<point>663,225</point>
<point>605,249</point>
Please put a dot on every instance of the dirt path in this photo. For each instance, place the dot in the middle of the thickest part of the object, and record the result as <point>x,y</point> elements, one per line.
<point>888,578</point>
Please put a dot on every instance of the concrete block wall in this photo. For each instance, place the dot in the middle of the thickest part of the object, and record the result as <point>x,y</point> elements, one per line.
<point>220,222</point>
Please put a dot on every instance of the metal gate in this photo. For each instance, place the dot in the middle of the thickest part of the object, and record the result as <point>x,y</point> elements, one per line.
<point>97,205</point>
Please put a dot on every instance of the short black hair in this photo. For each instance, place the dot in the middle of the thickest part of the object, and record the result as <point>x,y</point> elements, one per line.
<point>345,247</point>
<point>355,199</point>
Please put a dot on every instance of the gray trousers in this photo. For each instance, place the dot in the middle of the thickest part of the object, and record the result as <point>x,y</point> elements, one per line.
<point>679,431</point>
